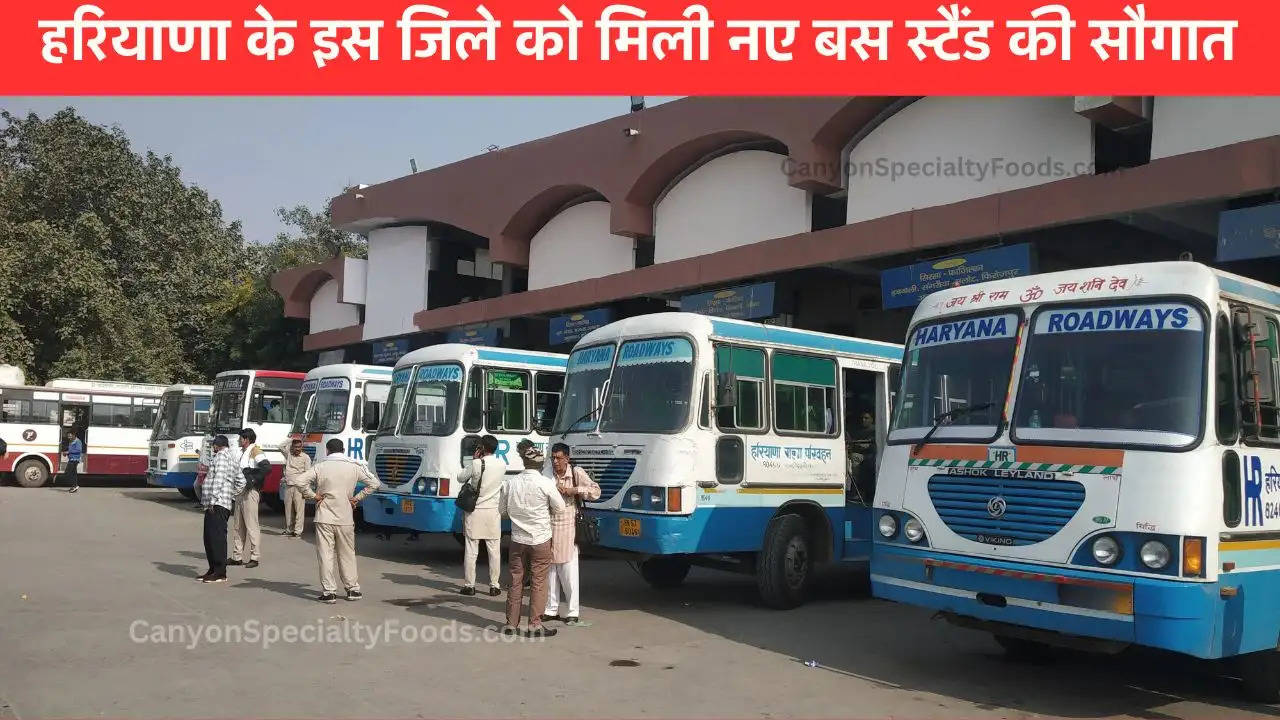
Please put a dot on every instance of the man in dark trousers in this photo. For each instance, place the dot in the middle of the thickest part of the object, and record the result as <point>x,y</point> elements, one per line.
<point>75,451</point>
<point>224,482</point>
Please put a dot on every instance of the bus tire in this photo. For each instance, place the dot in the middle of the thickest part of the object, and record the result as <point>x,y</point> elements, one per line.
<point>785,564</point>
<point>1261,675</point>
<point>273,502</point>
<point>664,573</point>
<point>1022,650</point>
<point>31,473</point>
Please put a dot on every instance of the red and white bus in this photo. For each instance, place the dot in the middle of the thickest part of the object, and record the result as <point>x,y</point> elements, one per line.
<point>112,419</point>
<point>264,400</point>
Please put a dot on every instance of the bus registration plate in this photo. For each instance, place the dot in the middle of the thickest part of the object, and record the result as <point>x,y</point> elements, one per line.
<point>406,505</point>
<point>628,527</point>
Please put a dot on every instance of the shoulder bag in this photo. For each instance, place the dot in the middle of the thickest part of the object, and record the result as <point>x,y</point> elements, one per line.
<point>586,529</point>
<point>469,493</point>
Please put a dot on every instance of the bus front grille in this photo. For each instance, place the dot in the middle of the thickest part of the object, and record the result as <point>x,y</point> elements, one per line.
<point>610,473</point>
<point>1005,511</point>
<point>396,469</point>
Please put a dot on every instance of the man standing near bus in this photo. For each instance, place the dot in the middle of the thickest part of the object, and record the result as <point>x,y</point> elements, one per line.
<point>223,483</point>
<point>296,462</point>
<point>75,451</point>
<point>335,494</point>
<point>254,465</point>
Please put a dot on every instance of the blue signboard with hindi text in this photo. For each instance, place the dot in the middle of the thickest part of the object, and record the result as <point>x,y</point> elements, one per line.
<point>906,286</point>
<point>1249,233</point>
<point>474,336</point>
<point>740,303</point>
<point>387,352</point>
<point>565,329</point>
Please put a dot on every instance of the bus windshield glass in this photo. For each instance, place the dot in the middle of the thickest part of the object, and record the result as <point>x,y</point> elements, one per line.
<point>584,387</point>
<point>181,416</point>
<point>304,408</point>
<point>434,400</point>
<point>328,413</point>
<point>1118,375</point>
<point>228,403</point>
<point>652,387</point>
<point>953,365</point>
<point>395,400</point>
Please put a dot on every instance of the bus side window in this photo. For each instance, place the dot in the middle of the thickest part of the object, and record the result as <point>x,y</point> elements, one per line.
<point>1257,376</point>
<point>1228,419</point>
<point>549,387</point>
<point>357,413</point>
<point>473,408</point>
<point>745,366</point>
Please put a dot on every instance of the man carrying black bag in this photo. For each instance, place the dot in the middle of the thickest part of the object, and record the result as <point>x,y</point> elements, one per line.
<point>244,526</point>
<point>478,487</point>
<point>576,487</point>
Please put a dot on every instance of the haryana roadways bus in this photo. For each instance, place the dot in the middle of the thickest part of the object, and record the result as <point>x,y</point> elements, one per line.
<point>264,400</point>
<point>1089,458</point>
<point>112,419</point>
<point>731,444</point>
<point>175,439</point>
<point>443,399</point>
<point>341,401</point>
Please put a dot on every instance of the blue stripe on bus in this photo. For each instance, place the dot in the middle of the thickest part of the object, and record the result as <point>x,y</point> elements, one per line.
<point>1235,287</point>
<point>519,357</point>
<point>716,530</point>
<point>376,372</point>
<point>802,339</point>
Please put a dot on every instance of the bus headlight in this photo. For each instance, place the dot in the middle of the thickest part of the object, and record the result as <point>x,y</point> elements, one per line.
<point>913,529</point>
<point>635,498</point>
<point>888,525</point>
<point>1106,550</point>
<point>1155,554</point>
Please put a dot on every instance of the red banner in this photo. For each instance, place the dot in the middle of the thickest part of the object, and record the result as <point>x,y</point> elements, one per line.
<point>653,47</point>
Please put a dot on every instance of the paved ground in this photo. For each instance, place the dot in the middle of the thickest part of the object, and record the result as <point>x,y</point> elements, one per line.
<point>86,575</point>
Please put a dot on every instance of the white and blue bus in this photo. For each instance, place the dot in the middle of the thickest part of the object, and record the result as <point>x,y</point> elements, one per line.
<point>730,444</point>
<point>1089,459</point>
<point>181,422</point>
<point>443,398</point>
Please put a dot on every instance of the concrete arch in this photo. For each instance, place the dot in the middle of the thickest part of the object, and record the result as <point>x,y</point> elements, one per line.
<point>512,241</point>
<point>298,285</point>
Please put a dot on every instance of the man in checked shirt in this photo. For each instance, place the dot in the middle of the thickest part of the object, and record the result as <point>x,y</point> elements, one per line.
<point>223,483</point>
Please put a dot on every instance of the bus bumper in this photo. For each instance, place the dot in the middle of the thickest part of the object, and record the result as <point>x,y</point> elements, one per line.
<point>413,512</point>
<point>1180,616</point>
<point>705,530</point>
<point>173,479</point>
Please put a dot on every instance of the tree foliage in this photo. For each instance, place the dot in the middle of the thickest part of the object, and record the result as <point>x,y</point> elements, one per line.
<point>113,267</point>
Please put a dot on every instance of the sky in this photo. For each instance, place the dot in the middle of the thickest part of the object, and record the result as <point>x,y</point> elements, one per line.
<point>256,154</point>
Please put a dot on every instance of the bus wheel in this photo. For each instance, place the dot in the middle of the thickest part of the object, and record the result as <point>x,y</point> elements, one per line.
<point>1261,675</point>
<point>663,573</point>
<point>1023,650</point>
<point>188,493</point>
<point>274,502</point>
<point>785,565</point>
<point>31,474</point>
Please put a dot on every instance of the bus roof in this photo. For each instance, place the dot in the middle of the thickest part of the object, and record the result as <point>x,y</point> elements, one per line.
<point>458,352</point>
<point>105,385</point>
<point>1120,282</point>
<point>189,389</point>
<point>741,331</point>
<point>351,370</point>
<point>286,374</point>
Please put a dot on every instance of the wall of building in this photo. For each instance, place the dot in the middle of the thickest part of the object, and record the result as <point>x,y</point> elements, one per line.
<point>327,313</point>
<point>954,130</point>
<point>1190,124</point>
<point>355,276</point>
<point>399,260</point>
<point>733,200</point>
<point>575,245</point>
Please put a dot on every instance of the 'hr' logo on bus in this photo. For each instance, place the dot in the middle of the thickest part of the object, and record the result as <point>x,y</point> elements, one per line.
<point>1001,454</point>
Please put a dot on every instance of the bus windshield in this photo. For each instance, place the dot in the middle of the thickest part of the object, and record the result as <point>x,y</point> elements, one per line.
<point>228,403</point>
<point>584,385</point>
<point>652,387</point>
<point>181,416</point>
<point>953,365</point>
<point>328,414</point>
<point>1119,375</point>
<point>304,408</point>
<point>434,400</point>
<point>395,400</point>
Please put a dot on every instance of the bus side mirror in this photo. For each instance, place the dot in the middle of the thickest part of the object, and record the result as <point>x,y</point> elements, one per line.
<point>727,391</point>
<point>372,415</point>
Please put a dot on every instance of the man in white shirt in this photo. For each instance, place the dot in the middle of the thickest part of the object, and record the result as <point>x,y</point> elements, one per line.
<point>246,534</point>
<point>529,499</point>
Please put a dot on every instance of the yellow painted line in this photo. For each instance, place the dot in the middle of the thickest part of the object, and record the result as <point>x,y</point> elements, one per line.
<point>793,491</point>
<point>1250,545</point>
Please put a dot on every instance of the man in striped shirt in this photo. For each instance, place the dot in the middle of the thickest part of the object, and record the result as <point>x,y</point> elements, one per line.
<point>223,483</point>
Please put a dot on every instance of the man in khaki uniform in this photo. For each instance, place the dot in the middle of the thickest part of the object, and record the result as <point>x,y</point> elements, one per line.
<point>296,462</point>
<point>335,480</point>
<point>246,534</point>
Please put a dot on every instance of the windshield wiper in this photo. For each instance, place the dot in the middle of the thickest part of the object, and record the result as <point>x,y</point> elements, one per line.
<point>588,414</point>
<point>938,422</point>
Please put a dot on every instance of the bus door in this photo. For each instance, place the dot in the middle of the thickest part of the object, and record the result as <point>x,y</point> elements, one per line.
<point>864,417</point>
<point>75,416</point>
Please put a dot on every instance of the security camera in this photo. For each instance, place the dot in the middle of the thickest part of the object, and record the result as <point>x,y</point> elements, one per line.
<point>631,132</point>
